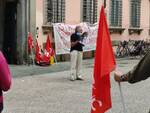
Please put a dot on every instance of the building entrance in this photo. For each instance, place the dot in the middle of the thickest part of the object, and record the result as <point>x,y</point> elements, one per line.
<point>10,32</point>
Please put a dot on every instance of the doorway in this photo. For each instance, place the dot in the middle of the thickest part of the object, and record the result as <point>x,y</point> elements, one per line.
<point>10,32</point>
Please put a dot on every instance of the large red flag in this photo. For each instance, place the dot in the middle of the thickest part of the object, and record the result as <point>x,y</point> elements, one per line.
<point>104,64</point>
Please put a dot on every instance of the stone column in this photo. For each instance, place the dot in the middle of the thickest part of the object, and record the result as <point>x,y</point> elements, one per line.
<point>26,22</point>
<point>21,31</point>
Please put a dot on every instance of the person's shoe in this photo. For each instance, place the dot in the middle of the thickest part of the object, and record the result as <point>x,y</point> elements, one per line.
<point>72,78</point>
<point>80,78</point>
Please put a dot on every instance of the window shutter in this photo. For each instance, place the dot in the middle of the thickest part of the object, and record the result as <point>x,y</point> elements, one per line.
<point>116,13</point>
<point>55,11</point>
<point>49,11</point>
<point>135,13</point>
<point>90,11</point>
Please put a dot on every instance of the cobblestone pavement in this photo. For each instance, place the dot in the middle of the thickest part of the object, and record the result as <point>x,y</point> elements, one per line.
<point>51,91</point>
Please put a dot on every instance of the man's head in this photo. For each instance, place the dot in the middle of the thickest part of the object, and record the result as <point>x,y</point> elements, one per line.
<point>78,29</point>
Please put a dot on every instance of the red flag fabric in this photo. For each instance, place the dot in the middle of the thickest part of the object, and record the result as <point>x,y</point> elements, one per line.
<point>48,50</point>
<point>48,46</point>
<point>30,43</point>
<point>104,64</point>
<point>37,53</point>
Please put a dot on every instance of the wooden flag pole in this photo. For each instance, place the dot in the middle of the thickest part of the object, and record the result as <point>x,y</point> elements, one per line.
<point>28,57</point>
<point>122,99</point>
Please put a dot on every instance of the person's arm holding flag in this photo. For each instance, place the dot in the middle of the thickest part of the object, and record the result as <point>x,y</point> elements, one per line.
<point>138,73</point>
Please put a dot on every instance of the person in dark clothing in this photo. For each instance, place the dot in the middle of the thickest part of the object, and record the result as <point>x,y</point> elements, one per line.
<point>76,53</point>
<point>138,73</point>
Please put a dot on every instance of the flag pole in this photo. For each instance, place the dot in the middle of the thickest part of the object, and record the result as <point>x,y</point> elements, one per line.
<point>28,58</point>
<point>55,58</point>
<point>122,99</point>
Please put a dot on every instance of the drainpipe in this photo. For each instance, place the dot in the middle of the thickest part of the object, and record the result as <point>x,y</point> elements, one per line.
<point>104,3</point>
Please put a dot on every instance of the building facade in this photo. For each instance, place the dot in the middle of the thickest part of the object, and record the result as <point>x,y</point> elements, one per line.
<point>63,11</point>
<point>127,19</point>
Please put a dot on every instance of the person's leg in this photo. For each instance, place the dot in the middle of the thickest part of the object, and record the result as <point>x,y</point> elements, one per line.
<point>79,66</point>
<point>73,58</point>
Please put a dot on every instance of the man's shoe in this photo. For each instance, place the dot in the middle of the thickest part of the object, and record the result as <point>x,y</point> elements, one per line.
<point>72,78</point>
<point>80,78</point>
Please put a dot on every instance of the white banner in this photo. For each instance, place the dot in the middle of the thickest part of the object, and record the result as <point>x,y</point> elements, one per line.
<point>62,33</point>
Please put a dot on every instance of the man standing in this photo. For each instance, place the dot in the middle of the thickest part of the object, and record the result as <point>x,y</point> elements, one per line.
<point>76,53</point>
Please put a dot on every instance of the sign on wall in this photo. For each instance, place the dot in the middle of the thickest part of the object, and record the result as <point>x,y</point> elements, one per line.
<point>62,33</point>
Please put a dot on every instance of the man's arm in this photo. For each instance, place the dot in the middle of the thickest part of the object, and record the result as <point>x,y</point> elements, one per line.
<point>139,72</point>
<point>74,40</point>
<point>74,43</point>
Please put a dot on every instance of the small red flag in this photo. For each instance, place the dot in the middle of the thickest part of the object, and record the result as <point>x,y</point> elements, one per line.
<point>30,43</point>
<point>37,53</point>
<point>104,64</point>
<point>48,46</point>
<point>49,52</point>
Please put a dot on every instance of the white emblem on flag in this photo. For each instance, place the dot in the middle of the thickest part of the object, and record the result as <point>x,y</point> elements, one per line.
<point>96,101</point>
<point>46,53</point>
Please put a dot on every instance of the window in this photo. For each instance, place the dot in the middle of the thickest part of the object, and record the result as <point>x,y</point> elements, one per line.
<point>116,13</point>
<point>55,11</point>
<point>135,8</point>
<point>90,11</point>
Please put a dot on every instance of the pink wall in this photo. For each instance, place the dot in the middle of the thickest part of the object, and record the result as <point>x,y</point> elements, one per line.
<point>73,11</point>
<point>145,14</point>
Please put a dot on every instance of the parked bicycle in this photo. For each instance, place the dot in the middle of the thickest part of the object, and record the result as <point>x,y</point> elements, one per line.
<point>132,48</point>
